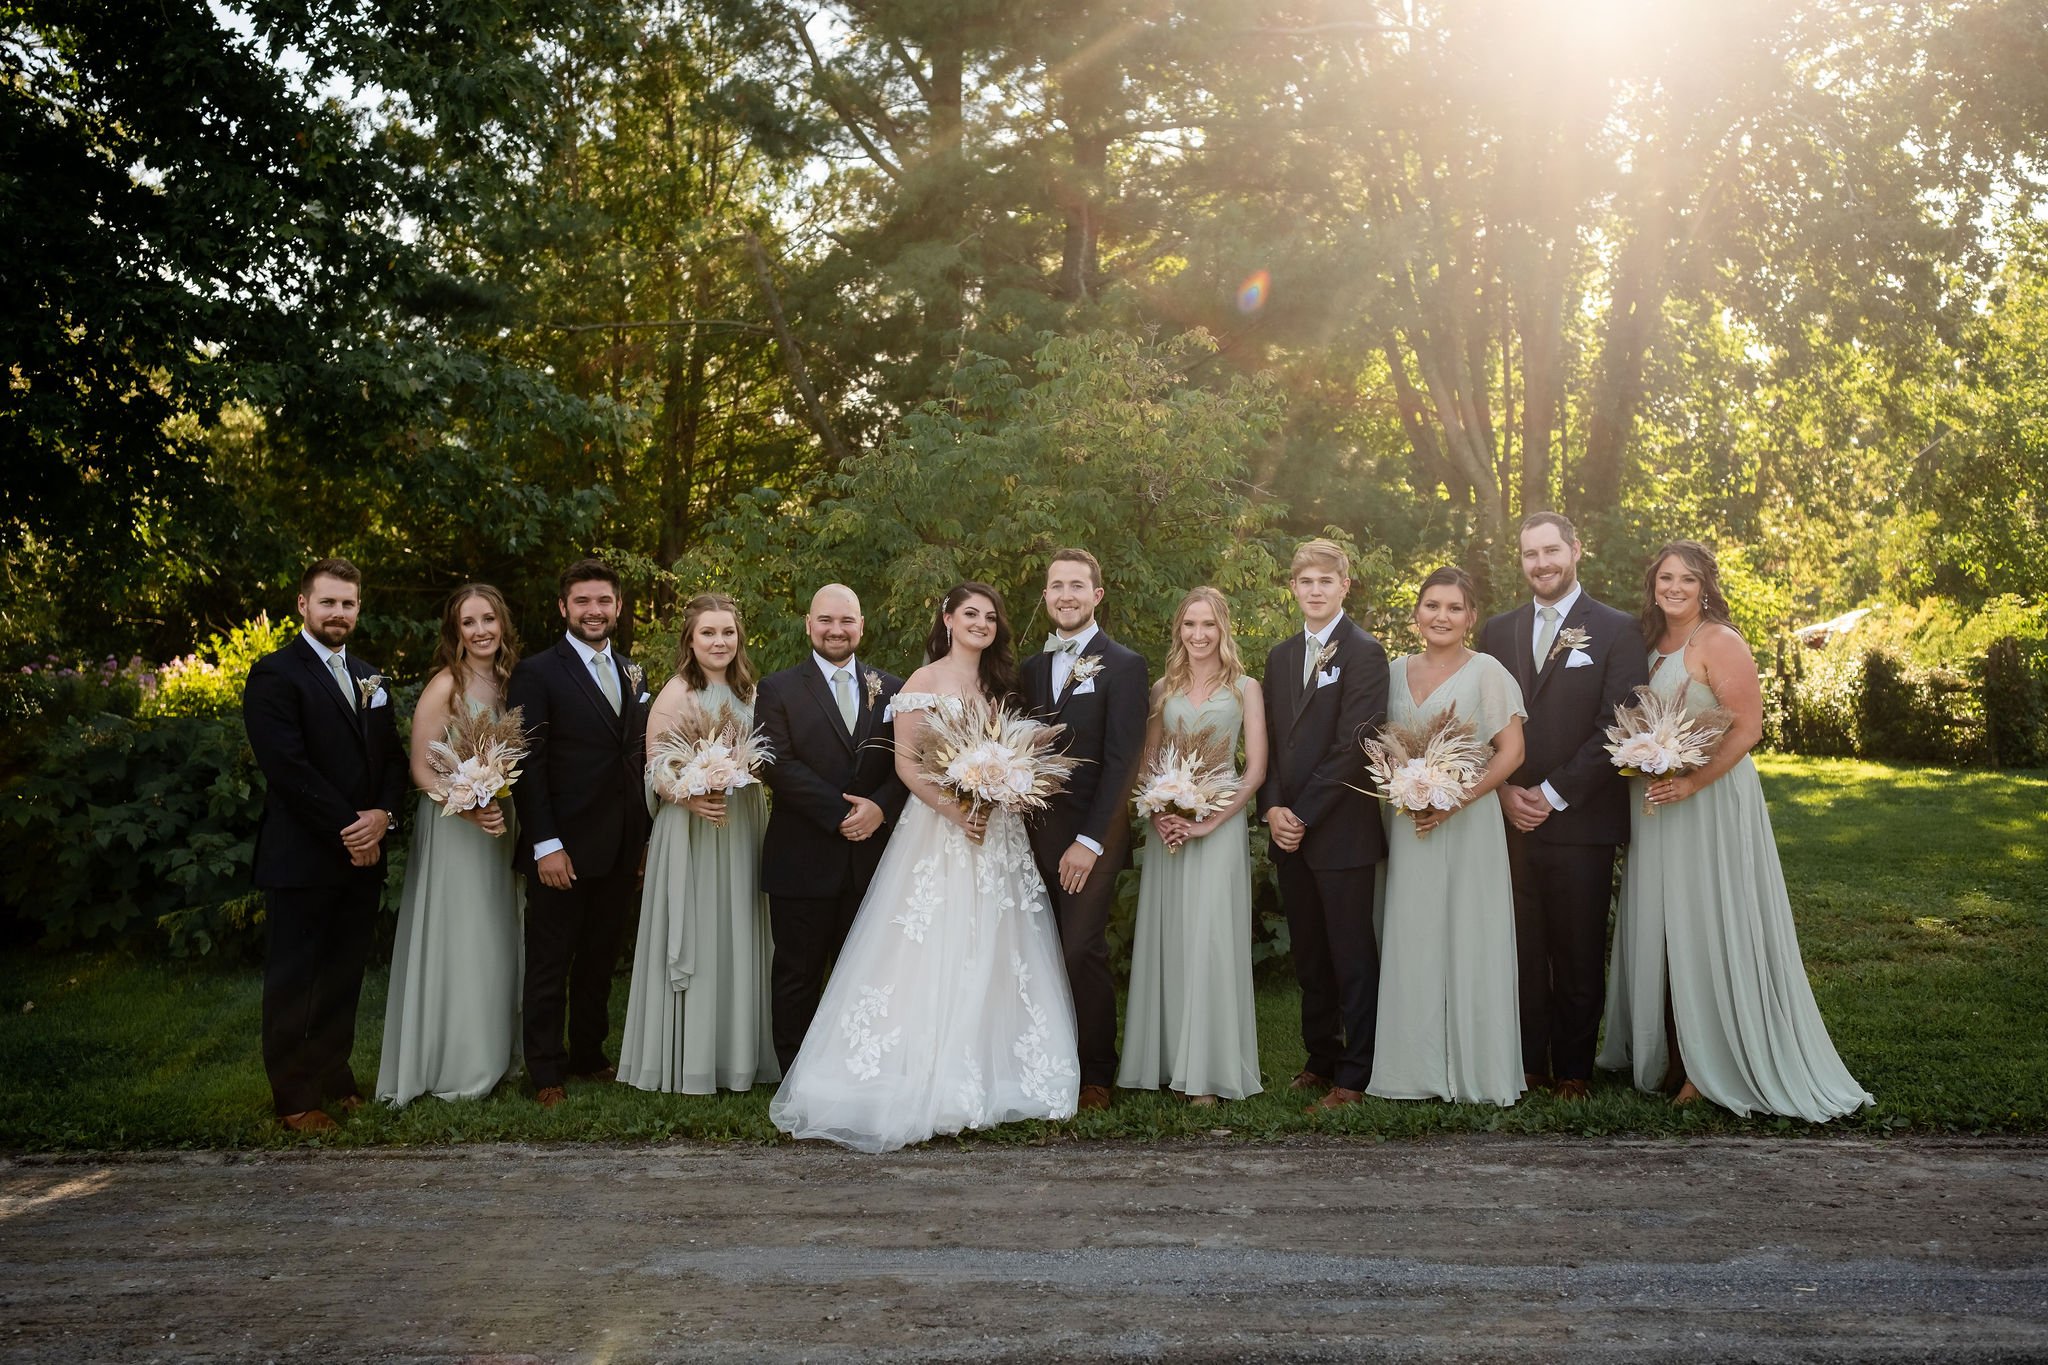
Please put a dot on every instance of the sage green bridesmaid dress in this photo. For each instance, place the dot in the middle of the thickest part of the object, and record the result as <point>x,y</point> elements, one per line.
<point>451,1020</point>
<point>1190,1022</point>
<point>1449,1020</point>
<point>1703,905</point>
<point>697,1014</point>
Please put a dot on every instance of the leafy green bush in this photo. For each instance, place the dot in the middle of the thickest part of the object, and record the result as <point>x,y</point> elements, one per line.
<point>2012,707</point>
<point>42,695</point>
<point>208,681</point>
<point>1921,715</point>
<point>131,829</point>
<point>1824,715</point>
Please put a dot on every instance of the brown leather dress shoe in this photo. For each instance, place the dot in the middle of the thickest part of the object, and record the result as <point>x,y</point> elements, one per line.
<point>1305,1079</point>
<point>309,1121</point>
<point>350,1103</point>
<point>603,1073</point>
<point>1574,1090</point>
<point>1094,1097</point>
<point>548,1096</point>
<point>1337,1098</point>
<point>1532,1081</point>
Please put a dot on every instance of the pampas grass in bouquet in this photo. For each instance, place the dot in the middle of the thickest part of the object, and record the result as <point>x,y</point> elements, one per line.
<point>1655,737</point>
<point>477,760</point>
<point>1428,766</point>
<point>1194,775</point>
<point>706,755</point>
<point>985,755</point>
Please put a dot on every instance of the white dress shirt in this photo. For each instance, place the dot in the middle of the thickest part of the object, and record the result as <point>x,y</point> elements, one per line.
<point>1063,668</point>
<point>1314,642</point>
<point>323,651</point>
<point>590,658</point>
<point>1564,606</point>
<point>828,668</point>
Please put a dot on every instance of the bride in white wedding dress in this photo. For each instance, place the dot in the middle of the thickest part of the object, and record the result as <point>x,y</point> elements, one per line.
<point>948,1007</point>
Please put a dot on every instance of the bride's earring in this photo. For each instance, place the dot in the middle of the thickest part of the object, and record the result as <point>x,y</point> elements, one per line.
<point>949,637</point>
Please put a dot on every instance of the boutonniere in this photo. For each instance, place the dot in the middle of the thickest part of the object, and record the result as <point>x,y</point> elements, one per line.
<point>1324,655</point>
<point>1085,667</point>
<point>872,681</point>
<point>368,688</point>
<point>636,676</point>
<point>1571,637</point>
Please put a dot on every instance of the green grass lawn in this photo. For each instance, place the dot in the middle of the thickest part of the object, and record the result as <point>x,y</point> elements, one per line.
<point>1921,894</point>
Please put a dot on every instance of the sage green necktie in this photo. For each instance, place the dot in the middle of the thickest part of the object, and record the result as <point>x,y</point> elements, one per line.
<point>342,680</point>
<point>1546,633</point>
<point>607,678</point>
<point>842,692</point>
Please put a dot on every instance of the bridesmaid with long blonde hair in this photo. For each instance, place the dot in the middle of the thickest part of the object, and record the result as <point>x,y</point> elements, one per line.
<point>1191,1021</point>
<point>697,1015</point>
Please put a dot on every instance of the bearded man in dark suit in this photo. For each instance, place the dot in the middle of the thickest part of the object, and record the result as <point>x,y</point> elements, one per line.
<point>1567,805</point>
<point>583,827</point>
<point>1098,690</point>
<point>837,798</point>
<point>320,722</point>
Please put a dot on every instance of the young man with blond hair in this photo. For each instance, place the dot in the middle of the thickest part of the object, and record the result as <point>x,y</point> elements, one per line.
<point>1326,687</point>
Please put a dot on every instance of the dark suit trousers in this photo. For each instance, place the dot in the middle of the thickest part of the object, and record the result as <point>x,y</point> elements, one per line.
<point>573,940</point>
<point>808,932</point>
<point>312,980</point>
<point>1562,893</point>
<point>1337,961</point>
<point>1083,922</point>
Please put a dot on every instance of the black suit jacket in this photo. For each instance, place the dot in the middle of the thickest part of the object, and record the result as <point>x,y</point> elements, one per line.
<point>1315,765</point>
<point>1106,730</point>
<point>1564,739</point>
<point>581,782</point>
<point>803,853</point>
<point>322,762</point>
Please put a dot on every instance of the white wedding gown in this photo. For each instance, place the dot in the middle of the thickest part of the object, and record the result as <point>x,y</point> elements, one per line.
<point>948,1007</point>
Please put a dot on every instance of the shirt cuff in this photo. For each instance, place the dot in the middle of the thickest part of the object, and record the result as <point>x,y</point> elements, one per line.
<point>545,847</point>
<point>1550,794</point>
<point>1089,844</point>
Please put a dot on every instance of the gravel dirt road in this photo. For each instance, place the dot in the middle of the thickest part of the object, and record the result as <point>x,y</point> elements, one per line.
<point>1462,1250</point>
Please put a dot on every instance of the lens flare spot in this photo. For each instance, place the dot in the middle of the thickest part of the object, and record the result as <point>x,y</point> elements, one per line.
<point>1251,295</point>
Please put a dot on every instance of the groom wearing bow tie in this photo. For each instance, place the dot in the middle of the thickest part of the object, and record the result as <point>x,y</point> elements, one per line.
<point>1095,687</point>
<point>583,825</point>
<point>320,724</point>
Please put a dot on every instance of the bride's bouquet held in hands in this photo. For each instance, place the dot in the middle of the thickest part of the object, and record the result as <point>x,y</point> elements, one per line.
<point>711,754</point>
<point>1192,775</point>
<point>985,755</point>
<point>1655,736</point>
<point>1428,766</point>
<point>477,761</point>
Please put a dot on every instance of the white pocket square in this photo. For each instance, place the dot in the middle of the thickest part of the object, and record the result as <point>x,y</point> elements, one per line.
<point>889,713</point>
<point>643,697</point>
<point>1328,676</point>
<point>381,699</point>
<point>1578,658</point>
<point>1087,685</point>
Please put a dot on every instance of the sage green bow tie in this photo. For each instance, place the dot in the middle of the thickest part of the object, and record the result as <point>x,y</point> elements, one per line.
<point>1055,645</point>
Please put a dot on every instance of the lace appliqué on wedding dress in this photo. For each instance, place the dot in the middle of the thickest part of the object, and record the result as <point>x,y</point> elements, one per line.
<point>865,1047</point>
<point>948,1008</point>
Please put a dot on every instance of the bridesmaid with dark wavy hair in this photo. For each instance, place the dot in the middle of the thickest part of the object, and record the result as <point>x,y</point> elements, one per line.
<point>451,1021</point>
<point>1708,995</point>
